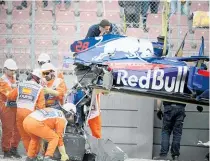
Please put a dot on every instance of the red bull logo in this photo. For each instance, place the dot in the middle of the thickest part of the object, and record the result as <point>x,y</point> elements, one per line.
<point>170,79</point>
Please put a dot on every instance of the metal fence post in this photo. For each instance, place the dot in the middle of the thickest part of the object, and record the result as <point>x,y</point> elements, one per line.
<point>32,35</point>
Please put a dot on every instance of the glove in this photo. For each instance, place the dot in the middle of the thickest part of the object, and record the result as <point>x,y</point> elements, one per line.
<point>204,144</point>
<point>50,91</point>
<point>159,114</point>
<point>199,108</point>
<point>14,85</point>
<point>64,156</point>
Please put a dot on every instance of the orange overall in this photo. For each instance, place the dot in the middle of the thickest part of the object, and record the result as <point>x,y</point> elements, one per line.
<point>24,108</point>
<point>10,135</point>
<point>60,86</point>
<point>48,124</point>
<point>61,76</point>
<point>94,119</point>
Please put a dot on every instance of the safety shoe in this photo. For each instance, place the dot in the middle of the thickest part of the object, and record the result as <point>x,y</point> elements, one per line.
<point>48,158</point>
<point>161,157</point>
<point>15,153</point>
<point>30,159</point>
<point>7,154</point>
<point>39,158</point>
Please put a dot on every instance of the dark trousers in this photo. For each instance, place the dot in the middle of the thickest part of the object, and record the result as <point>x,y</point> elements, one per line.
<point>173,119</point>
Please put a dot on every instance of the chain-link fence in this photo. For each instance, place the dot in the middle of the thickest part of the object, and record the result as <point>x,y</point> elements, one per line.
<point>28,28</point>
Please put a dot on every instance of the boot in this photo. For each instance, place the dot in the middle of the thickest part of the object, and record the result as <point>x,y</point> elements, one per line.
<point>39,158</point>
<point>7,154</point>
<point>15,153</point>
<point>48,158</point>
<point>175,158</point>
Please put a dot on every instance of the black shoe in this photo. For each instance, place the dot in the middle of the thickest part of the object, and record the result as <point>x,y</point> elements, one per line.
<point>15,153</point>
<point>161,157</point>
<point>30,159</point>
<point>175,158</point>
<point>7,154</point>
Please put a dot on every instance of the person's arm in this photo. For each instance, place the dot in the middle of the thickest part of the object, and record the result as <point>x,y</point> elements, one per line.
<point>59,129</point>
<point>61,89</point>
<point>159,104</point>
<point>117,30</point>
<point>12,96</point>
<point>90,33</point>
<point>41,100</point>
<point>59,92</point>
<point>5,89</point>
<point>159,111</point>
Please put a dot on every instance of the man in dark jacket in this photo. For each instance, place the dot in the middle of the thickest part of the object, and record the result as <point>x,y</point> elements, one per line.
<point>104,27</point>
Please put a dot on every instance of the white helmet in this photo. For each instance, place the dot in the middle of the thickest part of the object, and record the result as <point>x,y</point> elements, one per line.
<point>44,58</point>
<point>10,64</point>
<point>47,67</point>
<point>69,107</point>
<point>36,72</point>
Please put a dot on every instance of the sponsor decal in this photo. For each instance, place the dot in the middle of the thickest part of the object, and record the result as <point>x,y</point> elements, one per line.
<point>50,102</point>
<point>156,79</point>
<point>26,91</point>
<point>27,97</point>
<point>11,104</point>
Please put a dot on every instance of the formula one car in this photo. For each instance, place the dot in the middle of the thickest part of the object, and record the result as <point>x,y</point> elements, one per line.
<point>136,66</point>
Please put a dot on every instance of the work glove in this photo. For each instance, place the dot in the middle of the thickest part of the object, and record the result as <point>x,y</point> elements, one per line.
<point>160,114</point>
<point>199,108</point>
<point>64,156</point>
<point>204,144</point>
<point>50,91</point>
<point>14,85</point>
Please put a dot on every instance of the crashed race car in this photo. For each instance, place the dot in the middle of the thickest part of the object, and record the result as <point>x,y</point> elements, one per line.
<point>137,66</point>
<point>134,66</point>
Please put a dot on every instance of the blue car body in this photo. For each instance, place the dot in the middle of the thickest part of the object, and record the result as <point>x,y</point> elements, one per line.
<point>150,73</point>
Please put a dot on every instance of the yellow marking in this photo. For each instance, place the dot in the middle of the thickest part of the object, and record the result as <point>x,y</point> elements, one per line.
<point>27,91</point>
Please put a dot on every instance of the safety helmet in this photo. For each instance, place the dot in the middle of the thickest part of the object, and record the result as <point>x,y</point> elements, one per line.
<point>37,73</point>
<point>47,67</point>
<point>10,64</point>
<point>69,107</point>
<point>44,58</point>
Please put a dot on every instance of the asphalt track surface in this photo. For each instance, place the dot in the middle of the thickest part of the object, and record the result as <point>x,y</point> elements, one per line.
<point>23,159</point>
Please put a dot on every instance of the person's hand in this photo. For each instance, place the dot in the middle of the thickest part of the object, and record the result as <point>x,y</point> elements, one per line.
<point>102,33</point>
<point>50,91</point>
<point>64,157</point>
<point>200,108</point>
<point>159,114</point>
<point>14,85</point>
